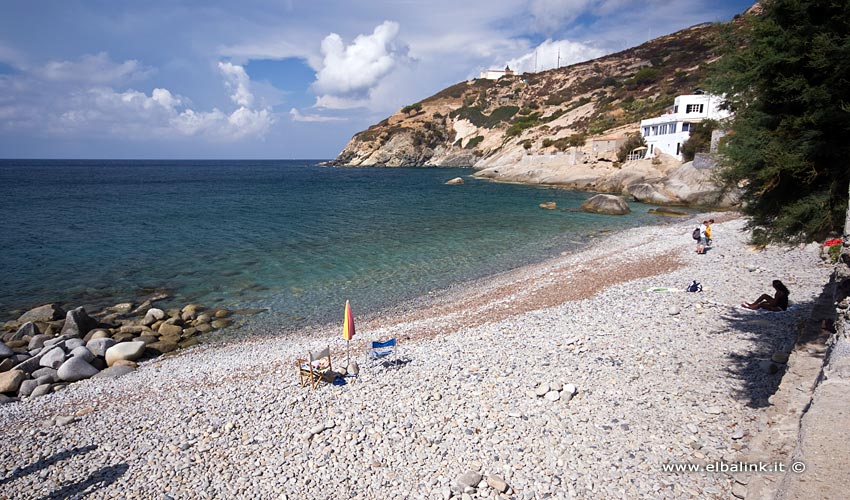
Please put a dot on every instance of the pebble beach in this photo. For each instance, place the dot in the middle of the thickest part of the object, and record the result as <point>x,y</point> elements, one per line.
<point>577,377</point>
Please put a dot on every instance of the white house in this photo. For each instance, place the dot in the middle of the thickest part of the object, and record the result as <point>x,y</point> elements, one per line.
<point>495,74</point>
<point>667,133</point>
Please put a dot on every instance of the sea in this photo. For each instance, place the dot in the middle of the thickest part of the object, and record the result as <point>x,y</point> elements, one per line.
<point>290,237</point>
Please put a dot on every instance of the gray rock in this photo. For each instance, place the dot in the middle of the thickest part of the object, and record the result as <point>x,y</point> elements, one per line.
<point>38,341</point>
<point>45,313</point>
<point>115,371</point>
<point>469,479</point>
<point>497,483</point>
<point>7,364</point>
<point>152,316</point>
<point>27,386</point>
<point>570,389</point>
<point>455,182</point>
<point>56,341</point>
<point>11,381</point>
<point>713,410</point>
<point>82,352</point>
<point>606,204</point>
<point>76,369</point>
<point>44,372</point>
<point>29,365</point>
<point>5,352</point>
<point>647,193</point>
<point>72,344</point>
<point>27,329</point>
<point>674,311</point>
<point>47,379</point>
<point>64,420</point>
<point>42,390</point>
<point>130,351</point>
<point>98,347</point>
<point>77,323</point>
<point>541,389</point>
<point>738,434</point>
<point>553,395</point>
<point>52,358</point>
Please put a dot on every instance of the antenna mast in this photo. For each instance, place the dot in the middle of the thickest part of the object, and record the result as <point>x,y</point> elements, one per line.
<point>559,57</point>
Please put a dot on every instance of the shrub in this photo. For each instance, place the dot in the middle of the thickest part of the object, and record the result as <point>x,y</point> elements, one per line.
<point>527,144</point>
<point>632,141</point>
<point>474,142</point>
<point>699,140</point>
<point>417,107</point>
<point>645,76</point>
<point>547,142</point>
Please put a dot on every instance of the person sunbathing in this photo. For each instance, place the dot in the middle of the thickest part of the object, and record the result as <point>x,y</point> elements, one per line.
<point>779,301</point>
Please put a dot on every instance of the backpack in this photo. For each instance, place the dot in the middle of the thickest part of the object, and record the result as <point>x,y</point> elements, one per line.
<point>694,287</point>
<point>695,234</point>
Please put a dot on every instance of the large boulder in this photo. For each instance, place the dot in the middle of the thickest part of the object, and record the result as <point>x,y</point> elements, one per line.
<point>77,323</point>
<point>75,369</point>
<point>98,347</point>
<point>53,358</point>
<point>125,350</point>
<point>647,193</point>
<point>45,313</point>
<point>11,381</point>
<point>37,342</point>
<point>28,329</point>
<point>606,204</point>
<point>455,182</point>
<point>5,352</point>
<point>152,316</point>
<point>82,352</point>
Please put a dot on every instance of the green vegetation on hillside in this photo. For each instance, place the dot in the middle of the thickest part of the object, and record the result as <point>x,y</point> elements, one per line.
<point>479,119</point>
<point>786,75</point>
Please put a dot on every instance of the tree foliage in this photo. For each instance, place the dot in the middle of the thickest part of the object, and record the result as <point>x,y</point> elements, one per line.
<point>699,140</point>
<point>786,75</point>
<point>632,141</point>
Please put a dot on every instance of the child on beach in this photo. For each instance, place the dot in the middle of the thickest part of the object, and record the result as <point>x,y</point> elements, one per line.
<point>708,232</point>
<point>701,244</point>
<point>779,301</point>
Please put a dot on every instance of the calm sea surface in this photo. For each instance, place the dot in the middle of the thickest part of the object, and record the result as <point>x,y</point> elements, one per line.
<point>290,236</point>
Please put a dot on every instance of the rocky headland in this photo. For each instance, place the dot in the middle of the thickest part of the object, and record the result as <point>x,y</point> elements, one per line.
<point>563,127</point>
<point>584,376</point>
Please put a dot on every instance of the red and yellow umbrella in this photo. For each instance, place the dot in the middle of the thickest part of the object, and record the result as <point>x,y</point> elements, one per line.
<point>348,323</point>
<point>348,330</point>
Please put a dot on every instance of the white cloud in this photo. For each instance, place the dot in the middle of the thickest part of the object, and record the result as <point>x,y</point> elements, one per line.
<point>297,116</point>
<point>236,80</point>
<point>349,73</point>
<point>97,69</point>
<point>551,53</point>
<point>48,102</point>
<point>549,15</point>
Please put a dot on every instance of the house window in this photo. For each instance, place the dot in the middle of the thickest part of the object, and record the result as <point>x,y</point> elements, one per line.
<point>675,109</point>
<point>694,108</point>
<point>678,148</point>
<point>686,127</point>
<point>645,131</point>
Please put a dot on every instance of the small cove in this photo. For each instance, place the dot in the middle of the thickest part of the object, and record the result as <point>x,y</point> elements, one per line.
<point>288,236</point>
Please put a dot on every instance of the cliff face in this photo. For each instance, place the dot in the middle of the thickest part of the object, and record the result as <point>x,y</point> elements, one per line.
<point>511,128</point>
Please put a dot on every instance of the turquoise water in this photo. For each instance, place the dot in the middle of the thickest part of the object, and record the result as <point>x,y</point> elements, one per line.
<point>290,236</point>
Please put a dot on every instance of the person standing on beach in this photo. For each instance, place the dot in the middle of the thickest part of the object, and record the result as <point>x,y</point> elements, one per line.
<point>708,232</point>
<point>702,237</point>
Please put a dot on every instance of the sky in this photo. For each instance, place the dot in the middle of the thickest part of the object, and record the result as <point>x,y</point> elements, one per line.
<point>277,79</point>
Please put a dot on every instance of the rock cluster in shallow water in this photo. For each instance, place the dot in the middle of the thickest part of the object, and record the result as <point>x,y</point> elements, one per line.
<point>47,348</point>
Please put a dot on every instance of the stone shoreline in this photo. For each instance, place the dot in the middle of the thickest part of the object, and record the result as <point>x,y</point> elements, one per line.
<point>641,379</point>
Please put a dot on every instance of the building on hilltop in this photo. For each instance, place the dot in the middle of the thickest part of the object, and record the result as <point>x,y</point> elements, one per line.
<point>495,74</point>
<point>666,133</point>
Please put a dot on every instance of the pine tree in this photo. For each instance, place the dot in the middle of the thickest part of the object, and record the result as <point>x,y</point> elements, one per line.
<point>786,75</point>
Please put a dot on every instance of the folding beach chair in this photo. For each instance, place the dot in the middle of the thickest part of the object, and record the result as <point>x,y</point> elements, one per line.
<point>384,352</point>
<point>316,368</point>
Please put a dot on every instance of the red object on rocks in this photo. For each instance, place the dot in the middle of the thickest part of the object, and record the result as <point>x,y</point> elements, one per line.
<point>834,241</point>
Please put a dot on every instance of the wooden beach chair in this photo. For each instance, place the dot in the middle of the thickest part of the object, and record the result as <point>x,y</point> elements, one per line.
<point>316,368</point>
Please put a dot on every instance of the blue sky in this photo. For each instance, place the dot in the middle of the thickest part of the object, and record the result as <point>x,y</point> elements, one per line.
<point>276,79</point>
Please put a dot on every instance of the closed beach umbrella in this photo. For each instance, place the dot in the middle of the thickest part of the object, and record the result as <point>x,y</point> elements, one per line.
<point>348,328</point>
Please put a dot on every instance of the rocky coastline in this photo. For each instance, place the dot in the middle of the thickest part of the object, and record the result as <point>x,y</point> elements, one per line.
<point>580,377</point>
<point>47,348</point>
